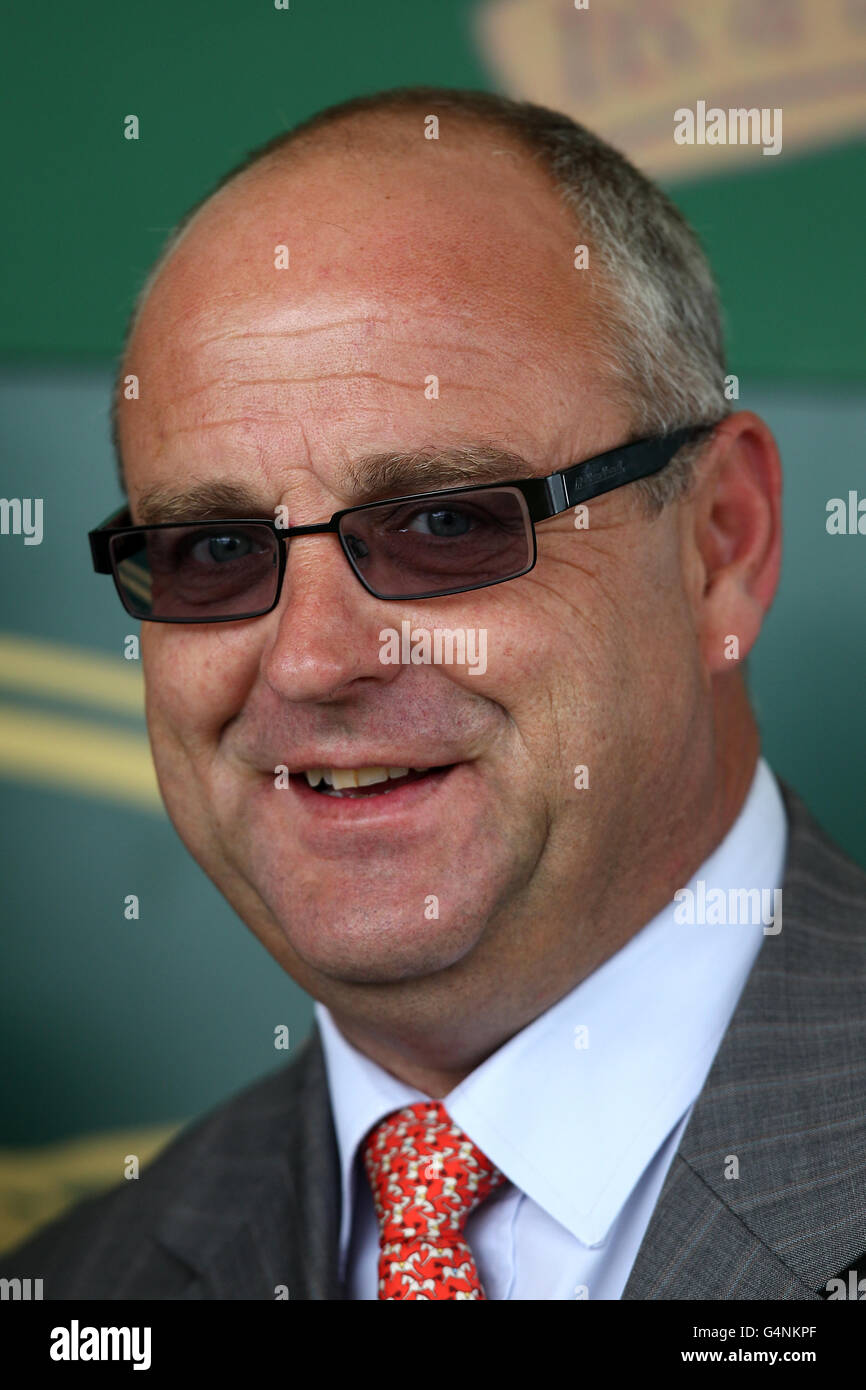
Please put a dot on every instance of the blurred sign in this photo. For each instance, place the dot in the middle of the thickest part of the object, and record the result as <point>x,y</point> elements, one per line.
<point>624,67</point>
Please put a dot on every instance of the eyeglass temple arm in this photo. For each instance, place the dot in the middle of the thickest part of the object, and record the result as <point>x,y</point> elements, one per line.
<point>611,470</point>
<point>99,551</point>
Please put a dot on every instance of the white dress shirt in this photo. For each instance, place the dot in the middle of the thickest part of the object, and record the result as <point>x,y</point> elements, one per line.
<point>584,1124</point>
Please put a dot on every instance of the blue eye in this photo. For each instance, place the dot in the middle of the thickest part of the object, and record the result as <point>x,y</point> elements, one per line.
<point>445,523</point>
<point>232,546</point>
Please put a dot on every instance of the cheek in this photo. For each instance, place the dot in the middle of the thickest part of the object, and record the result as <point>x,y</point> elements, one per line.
<point>584,665</point>
<point>550,675</point>
<point>195,680</point>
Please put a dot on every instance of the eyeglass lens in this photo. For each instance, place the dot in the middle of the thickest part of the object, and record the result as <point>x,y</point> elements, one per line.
<point>399,550</point>
<point>422,548</point>
<point>191,573</point>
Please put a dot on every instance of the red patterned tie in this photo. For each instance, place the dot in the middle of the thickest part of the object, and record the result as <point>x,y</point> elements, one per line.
<point>426,1178</point>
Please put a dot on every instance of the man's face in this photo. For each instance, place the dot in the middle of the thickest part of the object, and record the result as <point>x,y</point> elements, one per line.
<point>454,261</point>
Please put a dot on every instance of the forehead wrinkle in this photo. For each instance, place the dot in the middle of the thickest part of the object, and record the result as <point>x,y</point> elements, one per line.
<point>277,412</point>
<point>380,332</point>
<point>196,360</point>
<point>205,426</point>
<point>325,376</point>
<point>246,335</point>
<point>230,381</point>
<point>419,340</point>
<point>226,422</point>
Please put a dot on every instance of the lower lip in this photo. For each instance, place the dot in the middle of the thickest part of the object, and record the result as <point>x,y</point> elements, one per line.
<point>373,806</point>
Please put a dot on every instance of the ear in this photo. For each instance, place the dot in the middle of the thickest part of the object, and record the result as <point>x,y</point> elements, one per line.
<point>734,538</point>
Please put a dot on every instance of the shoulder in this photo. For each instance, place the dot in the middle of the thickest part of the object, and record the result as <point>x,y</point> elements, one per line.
<point>824,889</point>
<point>74,1254</point>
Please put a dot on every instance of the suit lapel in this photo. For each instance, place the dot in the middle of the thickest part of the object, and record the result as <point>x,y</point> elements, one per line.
<point>786,1099</point>
<point>697,1247</point>
<point>262,1215</point>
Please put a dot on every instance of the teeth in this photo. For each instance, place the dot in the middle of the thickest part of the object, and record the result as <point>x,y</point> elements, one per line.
<point>369,776</point>
<point>345,778</point>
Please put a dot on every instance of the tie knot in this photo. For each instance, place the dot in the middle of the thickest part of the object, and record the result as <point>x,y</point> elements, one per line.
<point>426,1175</point>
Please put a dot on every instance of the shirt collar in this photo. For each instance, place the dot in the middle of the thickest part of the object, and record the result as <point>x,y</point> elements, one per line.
<point>572,1125</point>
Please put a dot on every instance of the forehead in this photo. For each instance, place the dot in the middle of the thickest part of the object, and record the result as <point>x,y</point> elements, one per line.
<point>335,283</point>
<point>444,221</point>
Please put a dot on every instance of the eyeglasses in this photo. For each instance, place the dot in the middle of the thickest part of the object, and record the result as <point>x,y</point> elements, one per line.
<point>426,545</point>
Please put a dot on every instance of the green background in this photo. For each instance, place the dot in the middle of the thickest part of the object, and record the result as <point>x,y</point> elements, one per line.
<point>107,1022</point>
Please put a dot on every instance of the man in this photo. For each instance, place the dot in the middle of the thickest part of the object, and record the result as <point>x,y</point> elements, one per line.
<point>570,1041</point>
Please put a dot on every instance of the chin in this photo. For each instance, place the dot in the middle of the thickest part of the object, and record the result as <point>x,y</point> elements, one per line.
<point>377,942</point>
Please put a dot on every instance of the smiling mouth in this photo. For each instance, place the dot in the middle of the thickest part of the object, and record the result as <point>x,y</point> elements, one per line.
<point>352,782</point>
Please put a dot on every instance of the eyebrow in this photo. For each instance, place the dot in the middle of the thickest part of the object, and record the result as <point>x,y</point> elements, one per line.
<point>372,478</point>
<point>376,476</point>
<point>203,502</point>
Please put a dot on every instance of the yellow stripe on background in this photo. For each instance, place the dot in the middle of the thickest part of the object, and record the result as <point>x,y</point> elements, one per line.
<point>77,755</point>
<point>37,1184</point>
<point>71,673</point>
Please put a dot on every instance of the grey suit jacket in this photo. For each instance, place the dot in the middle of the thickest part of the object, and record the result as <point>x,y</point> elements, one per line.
<point>247,1199</point>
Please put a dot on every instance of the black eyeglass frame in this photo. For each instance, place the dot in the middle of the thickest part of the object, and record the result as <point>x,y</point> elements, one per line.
<point>544,497</point>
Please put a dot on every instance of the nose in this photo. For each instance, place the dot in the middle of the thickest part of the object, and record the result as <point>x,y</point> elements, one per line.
<point>327,633</point>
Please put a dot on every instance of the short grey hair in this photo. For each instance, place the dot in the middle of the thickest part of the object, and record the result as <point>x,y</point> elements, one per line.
<point>661,339</point>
